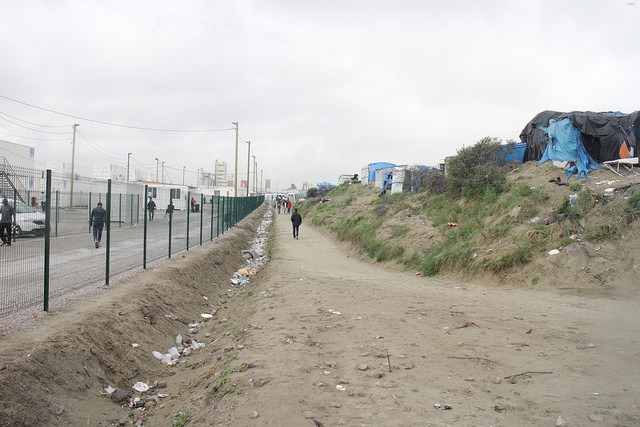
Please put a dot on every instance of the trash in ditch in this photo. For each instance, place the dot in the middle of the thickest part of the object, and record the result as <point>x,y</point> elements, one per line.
<point>140,387</point>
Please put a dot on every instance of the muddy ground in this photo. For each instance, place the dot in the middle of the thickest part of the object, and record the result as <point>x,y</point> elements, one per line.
<point>322,337</point>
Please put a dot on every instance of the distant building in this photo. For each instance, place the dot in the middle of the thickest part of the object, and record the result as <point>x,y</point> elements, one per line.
<point>220,172</point>
<point>17,155</point>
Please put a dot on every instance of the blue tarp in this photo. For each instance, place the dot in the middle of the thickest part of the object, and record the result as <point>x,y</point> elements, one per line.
<point>517,154</point>
<point>373,167</point>
<point>565,145</point>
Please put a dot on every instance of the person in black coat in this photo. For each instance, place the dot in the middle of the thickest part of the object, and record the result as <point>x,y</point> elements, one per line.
<point>296,220</point>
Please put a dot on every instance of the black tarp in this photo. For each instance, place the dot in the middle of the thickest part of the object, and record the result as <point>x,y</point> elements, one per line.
<point>602,133</point>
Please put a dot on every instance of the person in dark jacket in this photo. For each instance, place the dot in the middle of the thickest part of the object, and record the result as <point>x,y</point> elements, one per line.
<point>151,207</point>
<point>169,210</point>
<point>97,220</point>
<point>296,220</point>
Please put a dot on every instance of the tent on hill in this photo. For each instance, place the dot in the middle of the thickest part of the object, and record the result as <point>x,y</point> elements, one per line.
<point>583,137</point>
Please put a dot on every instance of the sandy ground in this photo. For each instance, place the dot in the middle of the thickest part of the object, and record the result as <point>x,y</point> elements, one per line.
<point>321,337</point>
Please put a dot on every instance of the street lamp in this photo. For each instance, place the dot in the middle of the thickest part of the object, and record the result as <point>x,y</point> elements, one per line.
<point>248,163</point>
<point>157,167</point>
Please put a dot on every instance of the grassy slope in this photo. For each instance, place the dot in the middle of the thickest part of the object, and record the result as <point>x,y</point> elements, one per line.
<point>495,235</point>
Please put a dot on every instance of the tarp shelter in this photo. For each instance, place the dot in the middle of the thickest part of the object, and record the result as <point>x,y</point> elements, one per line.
<point>605,136</point>
<point>368,175</point>
<point>397,179</point>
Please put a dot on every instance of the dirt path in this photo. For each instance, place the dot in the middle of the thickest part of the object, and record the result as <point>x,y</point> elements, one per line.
<point>525,357</point>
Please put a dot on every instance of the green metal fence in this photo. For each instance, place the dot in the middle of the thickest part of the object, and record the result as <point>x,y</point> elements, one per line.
<point>59,256</point>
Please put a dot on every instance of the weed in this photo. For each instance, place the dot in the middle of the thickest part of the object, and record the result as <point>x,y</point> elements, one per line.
<point>182,420</point>
<point>575,187</point>
<point>239,368</point>
<point>535,280</point>
<point>228,390</point>
<point>633,203</point>
<point>400,230</point>
<point>415,390</point>
<point>222,381</point>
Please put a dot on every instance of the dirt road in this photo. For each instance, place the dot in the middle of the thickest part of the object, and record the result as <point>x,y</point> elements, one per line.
<point>321,337</point>
<point>342,341</point>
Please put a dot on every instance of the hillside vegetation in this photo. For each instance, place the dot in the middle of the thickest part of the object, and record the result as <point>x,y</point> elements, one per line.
<point>498,223</point>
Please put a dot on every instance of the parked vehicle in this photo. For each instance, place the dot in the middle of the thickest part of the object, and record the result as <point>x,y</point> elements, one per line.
<point>28,221</point>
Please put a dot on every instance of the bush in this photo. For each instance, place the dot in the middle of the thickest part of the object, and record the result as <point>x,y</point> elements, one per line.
<point>432,180</point>
<point>477,170</point>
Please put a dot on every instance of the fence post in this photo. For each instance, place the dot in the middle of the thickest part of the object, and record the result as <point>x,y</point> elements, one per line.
<point>131,211</point>
<point>188,211</point>
<point>201,213</point>
<point>211,218</point>
<point>89,211</point>
<point>106,280</point>
<point>170,222</point>
<point>47,240</point>
<point>138,209</point>
<point>120,212</point>
<point>144,239</point>
<point>57,208</point>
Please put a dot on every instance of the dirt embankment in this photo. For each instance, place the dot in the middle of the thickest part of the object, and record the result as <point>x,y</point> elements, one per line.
<point>54,373</point>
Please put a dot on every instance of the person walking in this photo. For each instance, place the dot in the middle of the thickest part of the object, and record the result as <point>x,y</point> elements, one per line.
<point>296,220</point>
<point>7,217</point>
<point>97,221</point>
<point>169,210</point>
<point>288,206</point>
<point>151,207</point>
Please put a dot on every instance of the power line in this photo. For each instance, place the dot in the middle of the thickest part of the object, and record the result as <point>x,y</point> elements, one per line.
<point>36,139</point>
<point>35,124</point>
<point>116,124</point>
<point>35,130</point>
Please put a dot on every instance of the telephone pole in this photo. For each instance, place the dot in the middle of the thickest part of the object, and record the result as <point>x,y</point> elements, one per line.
<point>73,162</point>
<point>128,163</point>
<point>183,169</point>
<point>235,175</point>
<point>248,163</point>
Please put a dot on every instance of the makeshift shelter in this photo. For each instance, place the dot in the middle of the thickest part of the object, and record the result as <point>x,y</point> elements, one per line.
<point>582,137</point>
<point>368,173</point>
<point>396,179</point>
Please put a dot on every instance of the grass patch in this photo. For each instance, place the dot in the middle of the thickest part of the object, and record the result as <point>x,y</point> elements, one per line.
<point>182,420</point>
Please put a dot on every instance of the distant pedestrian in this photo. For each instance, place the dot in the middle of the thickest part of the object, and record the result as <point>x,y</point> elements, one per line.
<point>7,215</point>
<point>296,220</point>
<point>169,210</point>
<point>97,221</point>
<point>279,204</point>
<point>288,206</point>
<point>151,207</point>
<point>43,201</point>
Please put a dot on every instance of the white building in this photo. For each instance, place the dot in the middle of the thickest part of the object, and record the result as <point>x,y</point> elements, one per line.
<point>17,155</point>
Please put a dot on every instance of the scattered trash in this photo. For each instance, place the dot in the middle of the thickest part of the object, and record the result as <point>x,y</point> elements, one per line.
<point>442,407</point>
<point>362,367</point>
<point>460,287</point>
<point>553,252</point>
<point>179,339</point>
<point>140,387</point>
<point>157,355</point>
<point>206,315</point>
<point>135,345</point>
<point>535,219</point>
<point>109,390</point>
<point>452,224</point>
<point>137,402</point>
<point>341,387</point>
<point>574,237</point>
<point>560,421</point>
<point>289,341</point>
<point>417,273</point>
<point>332,311</point>
<point>573,198</point>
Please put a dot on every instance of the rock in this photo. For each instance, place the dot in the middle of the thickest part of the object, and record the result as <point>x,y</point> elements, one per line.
<point>496,380</point>
<point>560,422</point>
<point>263,381</point>
<point>362,367</point>
<point>254,414</point>
<point>595,418</point>
<point>162,384</point>
<point>120,395</point>
<point>59,410</point>
<point>122,422</point>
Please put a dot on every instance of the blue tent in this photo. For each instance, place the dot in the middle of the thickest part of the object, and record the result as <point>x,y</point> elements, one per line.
<point>373,167</point>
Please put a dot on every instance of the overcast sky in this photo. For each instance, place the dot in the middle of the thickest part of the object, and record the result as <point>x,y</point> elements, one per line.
<point>320,88</point>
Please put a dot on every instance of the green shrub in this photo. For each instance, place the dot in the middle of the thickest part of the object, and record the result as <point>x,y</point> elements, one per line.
<point>633,203</point>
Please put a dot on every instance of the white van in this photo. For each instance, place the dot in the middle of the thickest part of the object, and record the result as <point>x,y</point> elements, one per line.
<point>28,221</point>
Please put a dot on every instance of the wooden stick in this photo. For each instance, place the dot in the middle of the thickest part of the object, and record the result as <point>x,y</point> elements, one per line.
<point>526,374</point>
<point>471,357</point>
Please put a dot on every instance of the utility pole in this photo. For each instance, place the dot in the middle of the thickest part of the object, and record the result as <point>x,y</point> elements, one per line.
<point>254,173</point>
<point>235,175</point>
<point>261,190</point>
<point>183,169</point>
<point>248,163</point>
<point>73,162</point>
<point>128,163</point>
<point>198,178</point>
<point>157,167</point>
<point>163,172</point>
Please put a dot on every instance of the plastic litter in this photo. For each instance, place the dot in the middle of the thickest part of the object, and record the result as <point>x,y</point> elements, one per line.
<point>109,390</point>
<point>179,339</point>
<point>140,387</point>
<point>157,355</point>
<point>206,315</point>
<point>332,311</point>
<point>553,252</point>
